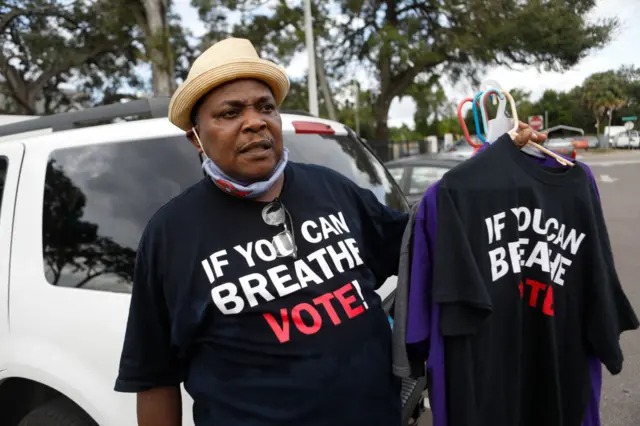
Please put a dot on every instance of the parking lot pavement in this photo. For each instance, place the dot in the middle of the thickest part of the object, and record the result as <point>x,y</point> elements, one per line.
<point>619,186</point>
<point>618,177</point>
<point>617,155</point>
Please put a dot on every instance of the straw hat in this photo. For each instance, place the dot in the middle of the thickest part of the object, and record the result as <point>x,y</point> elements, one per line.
<point>227,60</point>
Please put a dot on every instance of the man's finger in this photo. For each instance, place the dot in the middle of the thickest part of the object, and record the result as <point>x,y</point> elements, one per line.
<point>541,137</point>
<point>523,137</point>
<point>522,125</point>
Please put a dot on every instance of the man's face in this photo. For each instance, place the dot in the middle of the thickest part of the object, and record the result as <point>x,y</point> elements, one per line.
<point>241,130</point>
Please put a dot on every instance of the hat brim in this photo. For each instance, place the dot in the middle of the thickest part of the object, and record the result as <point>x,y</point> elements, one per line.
<point>188,94</point>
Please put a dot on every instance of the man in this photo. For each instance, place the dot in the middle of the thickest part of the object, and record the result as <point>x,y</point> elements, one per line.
<point>255,287</point>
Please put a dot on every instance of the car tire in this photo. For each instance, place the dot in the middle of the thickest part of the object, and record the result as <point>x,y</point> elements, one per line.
<point>57,412</point>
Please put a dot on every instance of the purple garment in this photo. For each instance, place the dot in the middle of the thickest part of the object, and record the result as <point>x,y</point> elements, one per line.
<point>423,317</point>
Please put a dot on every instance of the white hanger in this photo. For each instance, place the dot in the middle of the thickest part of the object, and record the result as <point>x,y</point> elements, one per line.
<point>501,124</point>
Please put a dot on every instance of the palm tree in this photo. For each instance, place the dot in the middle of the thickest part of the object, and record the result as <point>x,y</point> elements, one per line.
<point>603,93</point>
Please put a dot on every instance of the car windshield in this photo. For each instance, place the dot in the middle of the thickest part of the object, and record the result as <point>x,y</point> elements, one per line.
<point>348,156</point>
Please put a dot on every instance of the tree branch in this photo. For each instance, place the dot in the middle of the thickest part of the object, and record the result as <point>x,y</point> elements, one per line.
<point>88,278</point>
<point>401,82</point>
<point>39,83</point>
<point>8,17</point>
<point>17,86</point>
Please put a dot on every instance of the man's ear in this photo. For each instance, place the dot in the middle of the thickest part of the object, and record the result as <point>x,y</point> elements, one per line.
<point>191,135</point>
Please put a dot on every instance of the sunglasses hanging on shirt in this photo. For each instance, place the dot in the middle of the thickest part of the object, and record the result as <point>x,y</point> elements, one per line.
<point>275,214</point>
<point>502,123</point>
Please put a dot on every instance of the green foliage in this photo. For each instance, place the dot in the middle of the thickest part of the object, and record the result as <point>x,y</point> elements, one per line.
<point>404,42</point>
<point>404,133</point>
<point>603,93</point>
<point>630,77</point>
<point>457,39</point>
<point>583,106</point>
<point>49,44</point>
<point>407,47</point>
<point>58,55</point>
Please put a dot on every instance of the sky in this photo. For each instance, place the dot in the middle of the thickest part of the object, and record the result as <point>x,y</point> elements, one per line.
<point>622,50</point>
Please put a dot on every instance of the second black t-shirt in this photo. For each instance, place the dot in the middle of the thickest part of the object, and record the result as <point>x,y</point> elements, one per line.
<point>527,286</point>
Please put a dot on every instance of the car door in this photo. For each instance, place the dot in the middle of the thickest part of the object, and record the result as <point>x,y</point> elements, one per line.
<point>10,162</point>
<point>78,220</point>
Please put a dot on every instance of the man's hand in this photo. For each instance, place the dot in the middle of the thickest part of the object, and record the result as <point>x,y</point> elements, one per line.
<point>526,134</point>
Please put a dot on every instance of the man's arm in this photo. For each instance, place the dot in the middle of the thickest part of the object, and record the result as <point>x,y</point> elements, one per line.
<point>160,406</point>
<point>384,229</point>
<point>149,365</point>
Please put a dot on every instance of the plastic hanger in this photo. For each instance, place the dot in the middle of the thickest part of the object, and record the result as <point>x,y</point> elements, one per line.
<point>480,101</point>
<point>501,97</point>
<point>476,118</point>
<point>465,131</point>
<point>501,123</point>
<point>492,84</point>
<point>514,132</point>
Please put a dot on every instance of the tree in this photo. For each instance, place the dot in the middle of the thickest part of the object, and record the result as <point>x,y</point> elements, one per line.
<point>50,47</point>
<point>582,106</point>
<point>72,247</point>
<point>630,76</point>
<point>400,40</point>
<point>603,93</point>
<point>414,38</point>
<point>347,113</point>
<point>152,17</point>
<point>279,35</point>
<point>298,100</point>
<point>431,105</point>
<point>524,105</point>
<point>166,42</point>
<point>560,108</point>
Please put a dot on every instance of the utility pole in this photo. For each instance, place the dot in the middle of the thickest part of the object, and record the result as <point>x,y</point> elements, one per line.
<point>357,107</point>
<point>546,119</point>
<point>311,72</point>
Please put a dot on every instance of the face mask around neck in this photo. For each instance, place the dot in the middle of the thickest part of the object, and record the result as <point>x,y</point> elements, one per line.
<point>240,189</point>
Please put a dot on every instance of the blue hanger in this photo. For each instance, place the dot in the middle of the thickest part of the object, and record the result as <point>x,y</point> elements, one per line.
<point>476,118</point>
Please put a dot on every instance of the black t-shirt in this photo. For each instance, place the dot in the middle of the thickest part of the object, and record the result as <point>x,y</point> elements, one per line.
<point>525,278</point>
<point>265,340</point>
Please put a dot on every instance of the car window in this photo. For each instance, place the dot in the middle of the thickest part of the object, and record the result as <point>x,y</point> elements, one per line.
<point>348,156</point>
<point>396,173</point>
<point>423,176</point>
<point>99,198</point>
<point>4,166</point>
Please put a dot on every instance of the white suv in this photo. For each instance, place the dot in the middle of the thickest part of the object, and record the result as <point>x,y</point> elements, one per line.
<point>74,200</point>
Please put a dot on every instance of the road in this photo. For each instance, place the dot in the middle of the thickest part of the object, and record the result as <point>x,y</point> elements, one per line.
<point>618,178</point>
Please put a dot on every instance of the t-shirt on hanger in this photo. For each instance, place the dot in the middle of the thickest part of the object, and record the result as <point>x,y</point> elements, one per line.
<point>502,178</point>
